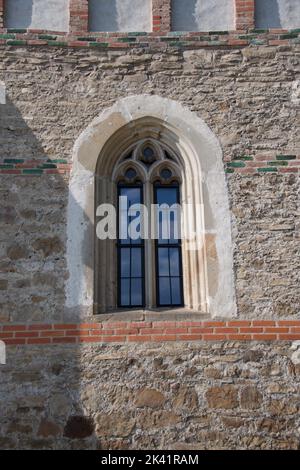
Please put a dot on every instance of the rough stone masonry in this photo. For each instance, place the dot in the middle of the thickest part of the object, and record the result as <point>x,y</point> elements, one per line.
<point>72,381</point>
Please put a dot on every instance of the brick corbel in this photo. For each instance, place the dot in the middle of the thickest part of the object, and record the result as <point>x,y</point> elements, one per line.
<point>79,15</point>
<point>161,16</point>
<point>244,14</point>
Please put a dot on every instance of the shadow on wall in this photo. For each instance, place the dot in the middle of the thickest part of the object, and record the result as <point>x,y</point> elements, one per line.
<point>34,214</point>
<point>18,13</point>
<point>267,14</point>
<point>40,385</point>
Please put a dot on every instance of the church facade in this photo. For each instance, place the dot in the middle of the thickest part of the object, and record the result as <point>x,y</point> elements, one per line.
<point>183,343</point>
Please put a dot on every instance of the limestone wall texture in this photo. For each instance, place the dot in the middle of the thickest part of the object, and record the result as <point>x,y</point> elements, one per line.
<point>181,395</point>
<point>247,98</point>
<point>173,396</point>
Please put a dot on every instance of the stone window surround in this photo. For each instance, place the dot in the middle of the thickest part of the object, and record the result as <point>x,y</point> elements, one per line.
<point>161,15</point>
<point>209,278</point>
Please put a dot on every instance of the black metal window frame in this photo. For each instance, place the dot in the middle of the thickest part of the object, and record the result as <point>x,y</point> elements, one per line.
<point>177,245</point>
<point>130,246</point>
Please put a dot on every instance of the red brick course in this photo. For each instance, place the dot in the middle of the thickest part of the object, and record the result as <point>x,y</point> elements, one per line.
<point>157,331</point>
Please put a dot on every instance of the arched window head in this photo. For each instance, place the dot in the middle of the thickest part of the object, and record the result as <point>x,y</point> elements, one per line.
<point>179,140</point>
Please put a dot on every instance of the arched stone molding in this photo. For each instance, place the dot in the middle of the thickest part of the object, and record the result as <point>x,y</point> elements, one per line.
<point>208,271</point>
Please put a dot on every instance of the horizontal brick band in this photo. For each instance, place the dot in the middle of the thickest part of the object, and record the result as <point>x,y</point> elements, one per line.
<point>21,166</point>
<point>157,39</point>
<point>264,163</point>
<point>245,165</point>
<point>156,331</point>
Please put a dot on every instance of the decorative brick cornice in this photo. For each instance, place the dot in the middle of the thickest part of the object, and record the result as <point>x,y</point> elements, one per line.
<point>150,41</point>
<point>144,331</point>
<point>244,14</point>
<point>79,15</point>
<point>161,15</point>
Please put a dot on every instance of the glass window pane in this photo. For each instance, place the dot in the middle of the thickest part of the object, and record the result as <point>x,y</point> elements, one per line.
<point>136,262</point>
<point>125,262</point>
<point>164,291</point>
<point>125,297</point>
<point>133,196</point>
<point>176,291</point>
<point>174,261</point>
<point>168,216</point>
<point>163,262</point>
<point>166,195</point>
<point>136,292</point>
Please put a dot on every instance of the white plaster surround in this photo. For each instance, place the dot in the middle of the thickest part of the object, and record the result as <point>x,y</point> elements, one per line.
<point>203,15</point>
<point>2,93</point>
<point>52,15</point>
<point>208,273</point>
<point>120,15</point>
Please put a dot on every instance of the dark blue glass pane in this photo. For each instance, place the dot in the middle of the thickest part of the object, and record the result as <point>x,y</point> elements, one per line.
<point>136,292</point>
<point>166,174</point>
<point>174,261</point>
<point>125,292</point>
<point>125,262</point>
<point>164,291</point>
<point>166,195</point>
<point>163,262</point>
<point>168,216</point>
<point>174,226</point>
<point>136,262</point>
<point>176,291</point>
<point>134,196</point>
<point>130,174</point>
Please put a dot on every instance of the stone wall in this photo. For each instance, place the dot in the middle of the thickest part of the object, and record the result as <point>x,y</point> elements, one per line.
<point>251,90</point>
<point>175,396</point>
<point>182,395</point>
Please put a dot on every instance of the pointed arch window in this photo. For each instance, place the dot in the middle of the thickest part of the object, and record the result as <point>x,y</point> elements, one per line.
<point>149,266</point>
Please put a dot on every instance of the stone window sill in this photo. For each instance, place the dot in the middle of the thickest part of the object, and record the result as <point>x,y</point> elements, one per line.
<point>181,314</point>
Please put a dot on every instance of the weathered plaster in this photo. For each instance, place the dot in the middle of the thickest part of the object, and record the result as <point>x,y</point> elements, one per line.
<point>2,93</point>
<point>202,15</point>
<point>202,155</point>
<point>120,15</point>
<point>277,14</point>
<point>37,14</point>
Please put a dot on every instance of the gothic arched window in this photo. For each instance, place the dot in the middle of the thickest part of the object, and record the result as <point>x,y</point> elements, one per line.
<point>149,259</point>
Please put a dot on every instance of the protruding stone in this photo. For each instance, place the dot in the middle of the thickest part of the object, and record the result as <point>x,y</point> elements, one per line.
<point>48,428</point>
<point>150,397</point>
<point>114,424</point>
<point>251,398</point>
<point>222,397</point>
<point>48,246</point>
<point>16,252</point>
